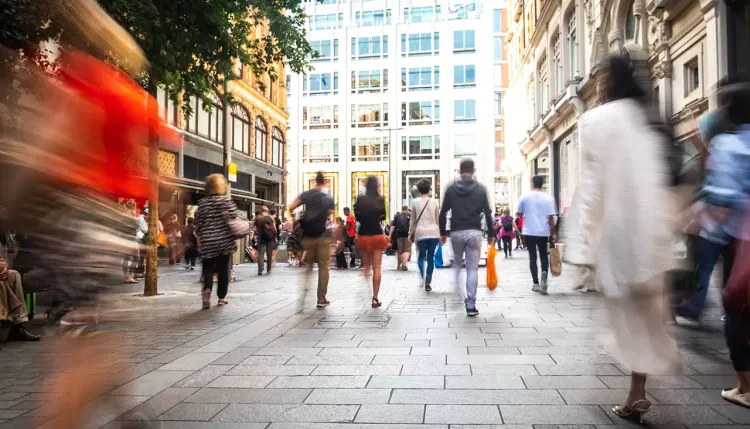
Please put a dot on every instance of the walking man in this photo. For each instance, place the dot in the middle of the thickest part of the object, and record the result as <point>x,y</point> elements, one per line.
<point>351,232</point>
<point>467,201</point>
<point>538,211</point>
<point>400,232</point>
<point>316,237</point>
<point>265,233</point>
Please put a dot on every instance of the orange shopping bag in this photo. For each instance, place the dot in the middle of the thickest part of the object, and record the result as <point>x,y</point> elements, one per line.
<point>491,272</point>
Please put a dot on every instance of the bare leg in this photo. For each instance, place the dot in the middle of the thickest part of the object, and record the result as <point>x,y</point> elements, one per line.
<point>637,387</point>
<point>376,260</point>
<point>366,264</point>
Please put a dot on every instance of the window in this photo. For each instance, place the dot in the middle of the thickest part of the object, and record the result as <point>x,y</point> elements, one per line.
<point>557,84</point>
<point>372,18</point>
<point>369,47</point>
<point>497,20</point>
<point>420,78</point>
<point>167,109</point>
<point>240,130</point>
<point>320,117</point>
<point>462,12</point>
<point>369,81</point>
<point>464,76</point>
<point>497,48</point>
<point>327,50</point>
<point>422,14</point>
<point>277,148</point>
<point>420,147</point>
<point>630,25</point>
<point>464,146</point>
<point>370,149</point>
<point>420,44</point>
<point>207,121</point>
<point>464,111</point>
<point>325,150</point>
<point>317,84</point>
<point>692,76</point>
<point>573,44</point>
<point>656,99</point>
<point>325,22</point>
<point>420,113</point>
<point>543,86</point>
<point>463,41</point>
<point>498,103</point>
<point>497,74</point>
<point>261,140</point>
<point>369,115</point>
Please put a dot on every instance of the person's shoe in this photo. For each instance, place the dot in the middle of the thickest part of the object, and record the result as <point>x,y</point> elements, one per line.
<point>222,301</point>
<point>535,288</point>
<point>427,287</point>
<point>543,286</point>
<point>206,296</point>
<point>688,322</point>
<point>325,303</point>
<point>20,333</point>
<point>404,268</point>
<point>471,312</point>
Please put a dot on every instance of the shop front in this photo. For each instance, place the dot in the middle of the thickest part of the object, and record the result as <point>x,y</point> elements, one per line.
<point>566,169</point>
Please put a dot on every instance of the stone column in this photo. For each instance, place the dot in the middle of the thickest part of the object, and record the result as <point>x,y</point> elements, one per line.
<point>713,51</point>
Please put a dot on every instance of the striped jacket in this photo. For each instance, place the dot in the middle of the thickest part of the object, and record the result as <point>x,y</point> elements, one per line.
<point>212,228</point>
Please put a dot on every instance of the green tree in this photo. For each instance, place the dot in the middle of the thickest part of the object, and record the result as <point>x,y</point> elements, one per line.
<point>192,47</point>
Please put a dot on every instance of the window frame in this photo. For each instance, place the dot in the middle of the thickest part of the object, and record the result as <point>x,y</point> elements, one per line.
<point>434,151</point>
<point>245,126</point>
<point>379,142</point>
<point>433,37</point>
<point>464,82</point>
<point>356,82</point>
<point>406,110</point>
<point>382,45</point>
<point>278,147</point>
<point>406,74</point>
<point>357,114</point>
<point>332,155</point>
<point>333,45</point>
<point>464,48</point>
<point>434,14</point>
<point>308,114</point>
<point>360,18</point>
<point>464,103</point>
<point>261,139</point>
<point>307,84</point>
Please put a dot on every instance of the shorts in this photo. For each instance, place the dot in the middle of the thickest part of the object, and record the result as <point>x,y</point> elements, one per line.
<point>403,245</point>
<point>372,243</point>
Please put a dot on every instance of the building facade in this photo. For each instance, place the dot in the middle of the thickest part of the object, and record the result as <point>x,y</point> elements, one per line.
<point>400,89</point>
<point>555,49</point>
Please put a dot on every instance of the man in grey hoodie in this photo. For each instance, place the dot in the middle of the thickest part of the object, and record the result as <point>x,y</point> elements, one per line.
<point>467,201</point>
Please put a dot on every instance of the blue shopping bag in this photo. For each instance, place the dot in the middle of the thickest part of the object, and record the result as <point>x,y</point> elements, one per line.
<point>439,256</point>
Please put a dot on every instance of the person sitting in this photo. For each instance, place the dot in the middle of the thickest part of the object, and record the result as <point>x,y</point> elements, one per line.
<point>13,304</point>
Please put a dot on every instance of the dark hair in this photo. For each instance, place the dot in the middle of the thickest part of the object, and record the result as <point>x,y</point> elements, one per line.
<point>737,97</point>
<point>404,208</point>
<point>423,186</point>
<point>319,179</point>
<point>190,221</point>
<point>347,211</point>
<point>466,166</point>
<point>622,83</point>
<point>272,211</point>
<point>537,182</point>
<point>371,187</point>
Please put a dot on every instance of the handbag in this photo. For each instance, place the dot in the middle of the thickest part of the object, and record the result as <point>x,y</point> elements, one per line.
<point>411,236</point>
<point>439,256</point>
<point>555,261</point>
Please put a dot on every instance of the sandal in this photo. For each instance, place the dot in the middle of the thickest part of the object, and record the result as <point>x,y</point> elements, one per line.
<point>633,411</point>
<point>222,301</point>
<point>376,303</point>
<point>735,397</point>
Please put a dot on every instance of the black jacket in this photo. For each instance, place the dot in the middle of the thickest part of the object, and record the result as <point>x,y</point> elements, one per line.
<point>467,200</point>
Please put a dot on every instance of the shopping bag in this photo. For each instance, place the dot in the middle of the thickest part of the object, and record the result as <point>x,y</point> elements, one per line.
<point>161,240</point>
<point>555,261</point>
<point>491,272</point>
<point>439,256</point>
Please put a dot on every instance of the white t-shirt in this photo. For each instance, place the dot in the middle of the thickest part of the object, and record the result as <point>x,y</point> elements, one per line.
<point>537,207</point>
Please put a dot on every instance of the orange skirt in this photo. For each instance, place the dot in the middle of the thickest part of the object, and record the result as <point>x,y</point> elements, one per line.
<point>372,243</point>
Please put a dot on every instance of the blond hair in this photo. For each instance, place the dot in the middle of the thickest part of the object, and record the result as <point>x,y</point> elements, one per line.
<point>216,184</point>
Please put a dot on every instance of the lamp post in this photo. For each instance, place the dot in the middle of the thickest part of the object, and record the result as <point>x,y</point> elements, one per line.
<point>392,159</point>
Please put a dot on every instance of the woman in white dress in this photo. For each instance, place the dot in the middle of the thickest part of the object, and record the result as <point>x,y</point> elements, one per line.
<point>620,227</point>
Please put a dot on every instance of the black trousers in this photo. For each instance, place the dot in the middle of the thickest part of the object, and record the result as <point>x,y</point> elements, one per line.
<point>341,259</point>
<point>352,252</point>
<point>507,245</point>
<point>534,244</point>
<point>220,266</point>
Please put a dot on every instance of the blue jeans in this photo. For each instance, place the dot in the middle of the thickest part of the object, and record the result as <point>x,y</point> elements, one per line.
<point>708,256</point>
<point>426,249</point>
<point>470,243</point>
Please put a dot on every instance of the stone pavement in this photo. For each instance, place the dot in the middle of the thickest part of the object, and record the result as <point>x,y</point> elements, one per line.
<point>272,360</point>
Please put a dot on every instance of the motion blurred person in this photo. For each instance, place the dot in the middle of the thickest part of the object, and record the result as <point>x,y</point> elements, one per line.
<point>172,230</point>
<point>265,235</point>
<point>625,235</point>
<point>215,237</point>
<point>467,201</point>
<point>190,242</point>
<point>518,222</point>
<point>538,211</point>
<point>13,304</point>
<point>399,235</point>
<point>351,233</point>
<point>371,242</point>
<point>425,231</point>
<point>319,208</point>
<point>507,233</point>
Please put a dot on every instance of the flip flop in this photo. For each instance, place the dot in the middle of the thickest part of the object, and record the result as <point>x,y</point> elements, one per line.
<point>741,399</point>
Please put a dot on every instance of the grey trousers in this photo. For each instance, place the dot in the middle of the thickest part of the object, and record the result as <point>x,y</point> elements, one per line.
<point>469,243</point>
<point>12,301</point>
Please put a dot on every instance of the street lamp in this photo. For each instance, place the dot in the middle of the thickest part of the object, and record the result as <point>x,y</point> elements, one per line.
<point>391,166</point>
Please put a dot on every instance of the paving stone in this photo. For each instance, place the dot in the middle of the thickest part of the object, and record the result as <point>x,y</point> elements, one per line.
<point>438,351</point>
<point>384,351</point>
<point>287,413</point>
<point>458,343</point>
<point>578,369</point>
<point>653,382</point>
<point>204,376</point>
<point>589,350</point>
<point>338,343</point>
<point>193,412</point>
<point>596,396</point>
<point>471,414</point>
<point>442,396</point>
<point>333,360</point>
<point>714,369</point>
<point>287,343</point>
<point>151,383</point>
<point>680,415</point>
<point>493,351</point>
<point>584,359</point>
<point>484,382</point>
<point>171,355</point>
<point>436,370</point>
<point>406,382</point>
<point>349,396</point>
<point>352,426</point>
<point>500,360</point>
<point>409,360</point>
<point>357,370</point>
<point>714,381</point>
<point>242,381</point>
<point>271,370</point>
<point>204,425</point>
<point>191,362</point>
<point>734,413</point>
<point>400,343</point>
<point>269,351</point>
<point>563,382</point>
<point>687,396</point>
<point>390,413</point>
<point>496,370</point>
<point>235,357</point>
<point>517,343</point>
<point>553,414</point>
<point>318,382</point>
<point>159,404</point>
<point>249,396</point>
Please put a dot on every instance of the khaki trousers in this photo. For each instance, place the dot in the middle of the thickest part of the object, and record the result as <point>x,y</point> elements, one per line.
<point>319,250</point>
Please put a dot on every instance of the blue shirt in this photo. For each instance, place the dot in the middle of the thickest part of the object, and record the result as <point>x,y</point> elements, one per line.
<point>537,207</point>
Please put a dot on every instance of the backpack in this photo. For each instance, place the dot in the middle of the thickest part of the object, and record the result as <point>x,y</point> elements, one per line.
<point>403,223</point>
<point>508,226</point>
<point>268,233</point>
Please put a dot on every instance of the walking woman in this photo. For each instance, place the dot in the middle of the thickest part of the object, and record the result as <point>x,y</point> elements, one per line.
<point>425,231</point>
<point>371,242</point>
<point>217,243</point>
<point>507,232</point>
<point>172,229</point>
<point>620,225</point>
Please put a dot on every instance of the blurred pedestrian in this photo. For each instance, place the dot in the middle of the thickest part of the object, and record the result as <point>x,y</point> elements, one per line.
<point>507,233</point>
<point>172,229</point>
<point>277,222</point>
<point>538,211</point>
<point>316,241</point>
<point>625,236</point>
<point>399,235</point>
<point>190,242</point>
<point>425,231</point>
<point>351,233</point>
<point>467,201</point>
<point>370,211</point>
<point>518,222</point>
<point>341,236</point>
<point>130,259</point>
<point>215,237</point>
<point>264,233</point>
